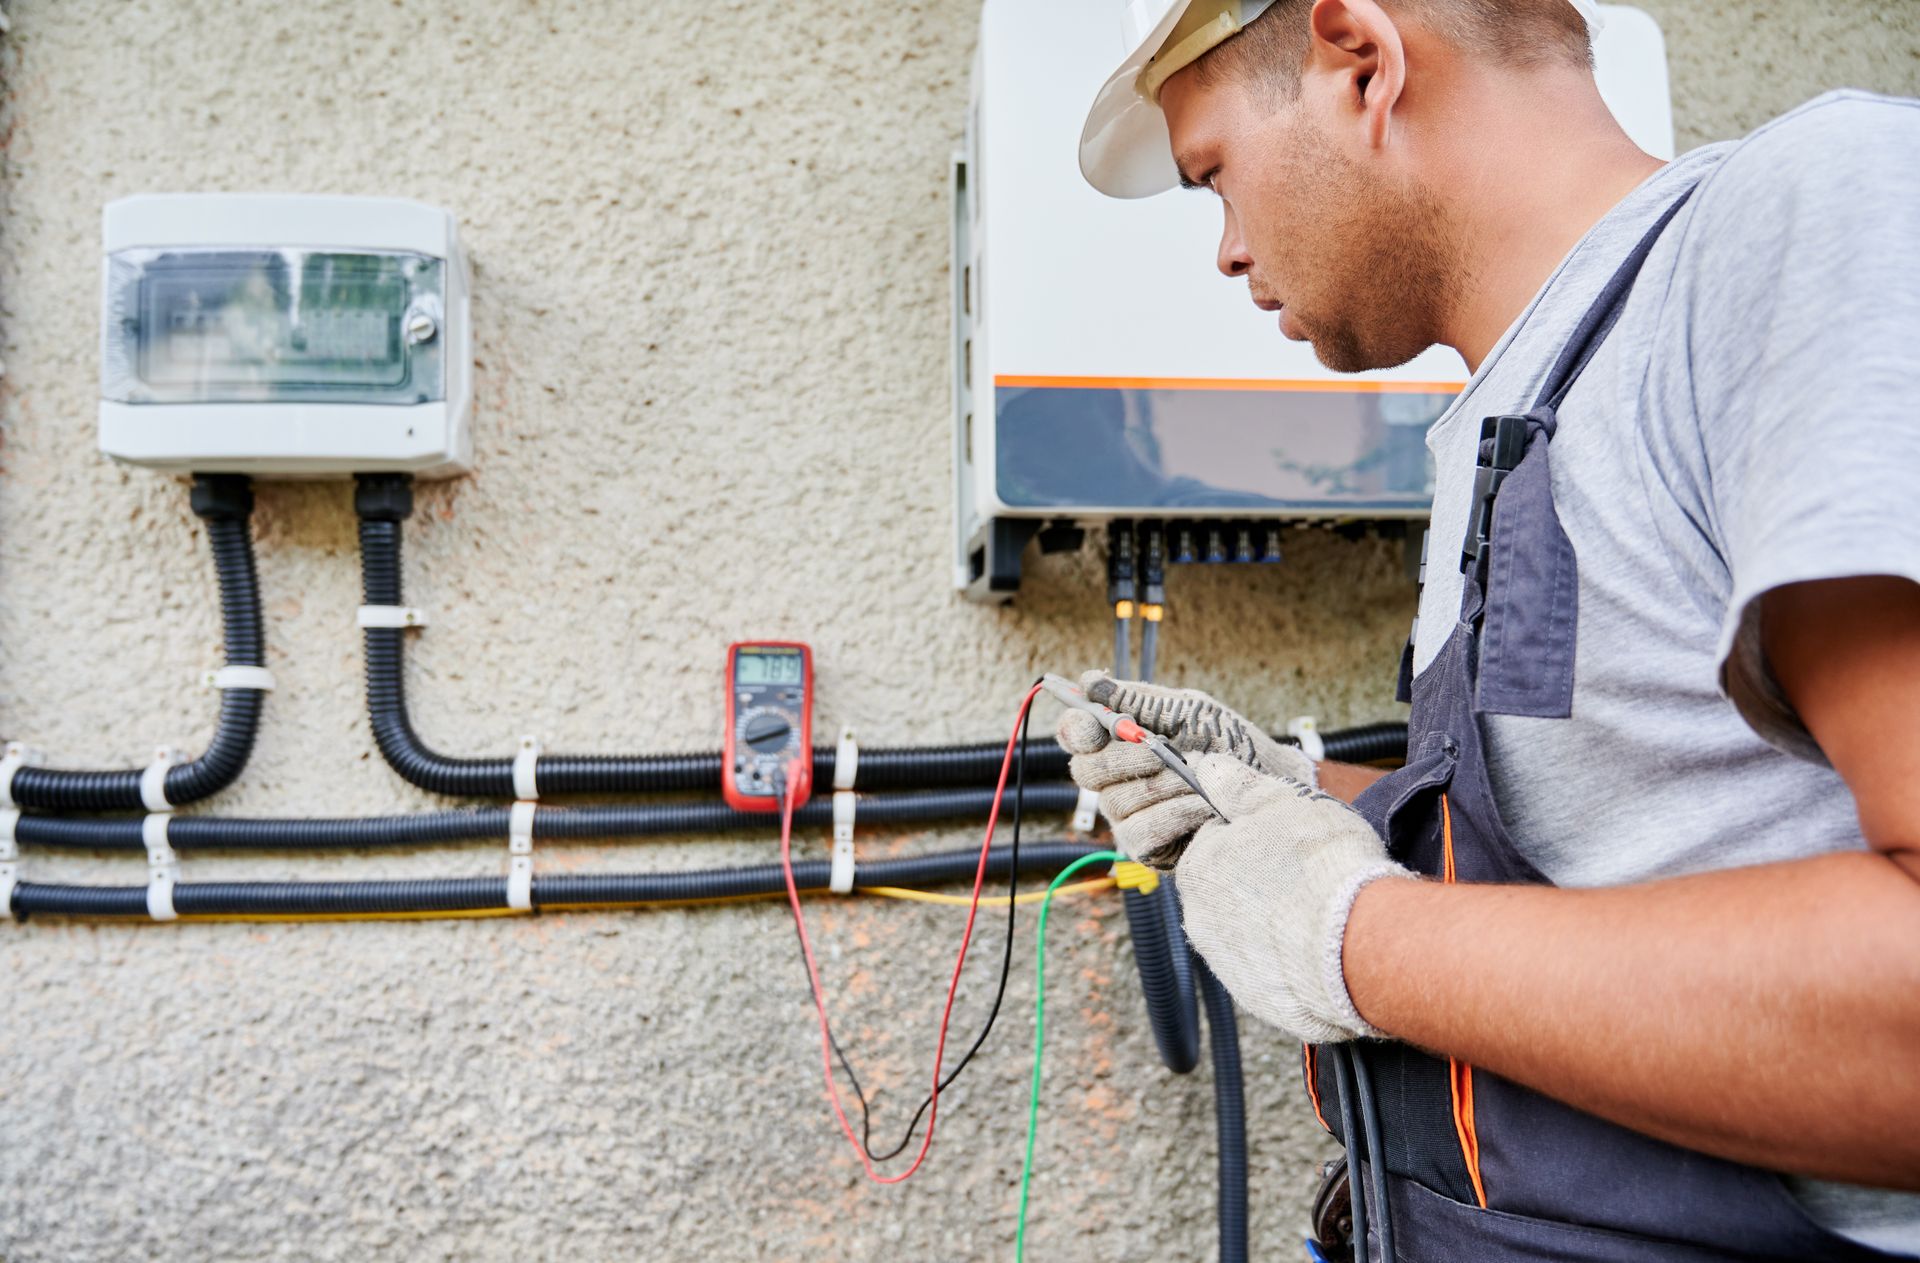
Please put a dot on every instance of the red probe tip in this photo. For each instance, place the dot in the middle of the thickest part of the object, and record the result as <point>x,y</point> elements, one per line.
<point>1127,730</point>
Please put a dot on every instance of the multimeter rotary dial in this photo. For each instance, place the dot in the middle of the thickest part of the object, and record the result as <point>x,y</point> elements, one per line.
<point>767,731</point>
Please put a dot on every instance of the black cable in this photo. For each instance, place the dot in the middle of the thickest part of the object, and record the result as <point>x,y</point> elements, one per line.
<point>383,502</point>
<point>1367,743</point>
<point>252,898</point>
<point>1376,1153</point>
<point>1163,960</point>
<point>611,821</point>
<point>1356,1192</point>
<point>1006,968</point>
<point>225,503</point>
<point>1229,1111</point>
<point>636,820</point>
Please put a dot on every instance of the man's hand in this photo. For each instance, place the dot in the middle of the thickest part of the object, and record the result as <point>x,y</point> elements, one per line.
<point>1193,723</point>
<point>1152,809</point>
<point>1265,898</point>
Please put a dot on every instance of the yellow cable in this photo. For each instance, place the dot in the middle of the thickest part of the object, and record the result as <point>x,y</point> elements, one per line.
<point>671,903</point>
<point>447,914</point>
<point>928,896</point>
<point>467,914</point>
<point>459,914</point>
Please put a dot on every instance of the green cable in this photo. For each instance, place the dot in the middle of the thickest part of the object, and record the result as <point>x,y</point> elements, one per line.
<point>1039,1026</point>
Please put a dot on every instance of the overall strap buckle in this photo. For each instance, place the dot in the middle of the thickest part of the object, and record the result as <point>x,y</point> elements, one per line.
<point>1503,441</point>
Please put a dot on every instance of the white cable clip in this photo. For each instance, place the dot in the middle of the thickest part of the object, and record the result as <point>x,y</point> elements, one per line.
<point>846,759</point>
<point>846,763</point>
<point>520,855</point>
<point>1086,811</point>
<point>163,866</point>
<point>1308,733</point>
<point>239,677</point>
<point>526,766</point>
<point>18,755</point>
<point>840,879</point>
<point>9,857</point>
<point>153,780</point>
<point>400,616</point>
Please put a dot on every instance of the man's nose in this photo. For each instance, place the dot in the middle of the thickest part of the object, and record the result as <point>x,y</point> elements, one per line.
<point>1233,261</point>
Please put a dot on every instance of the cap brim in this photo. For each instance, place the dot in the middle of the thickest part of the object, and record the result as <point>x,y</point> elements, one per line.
<point>1124,148</point>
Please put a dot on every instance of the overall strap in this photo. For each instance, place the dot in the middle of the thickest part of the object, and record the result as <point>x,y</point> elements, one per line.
<point>1524,588</point>
<point>1603,315</point>
<point>1506,440</point>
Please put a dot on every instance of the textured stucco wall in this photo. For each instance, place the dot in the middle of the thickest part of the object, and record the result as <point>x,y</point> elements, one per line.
<point>690,223</point>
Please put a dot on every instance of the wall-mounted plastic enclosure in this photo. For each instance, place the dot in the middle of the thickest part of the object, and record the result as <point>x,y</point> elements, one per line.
<point>287,336</point>
<point>1104,369</point>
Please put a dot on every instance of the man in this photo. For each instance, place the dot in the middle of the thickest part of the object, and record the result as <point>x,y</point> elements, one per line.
<point>1625,964</point>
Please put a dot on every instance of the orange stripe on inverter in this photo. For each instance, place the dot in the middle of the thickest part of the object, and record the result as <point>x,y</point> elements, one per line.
<point>1459,1073</point>
<point>1296,385</point>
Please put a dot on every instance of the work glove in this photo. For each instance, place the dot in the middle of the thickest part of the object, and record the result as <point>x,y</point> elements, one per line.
<point>1265,896</point>
<point>1152,810</point>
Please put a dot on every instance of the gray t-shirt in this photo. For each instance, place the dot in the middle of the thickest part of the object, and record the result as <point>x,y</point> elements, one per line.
<point>1752,421</point>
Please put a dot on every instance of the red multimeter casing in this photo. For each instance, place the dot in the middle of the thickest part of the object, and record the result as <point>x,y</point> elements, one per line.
<point>769,723</point>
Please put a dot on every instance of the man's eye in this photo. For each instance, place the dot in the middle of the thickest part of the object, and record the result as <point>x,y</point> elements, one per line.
<point>1209,181</point>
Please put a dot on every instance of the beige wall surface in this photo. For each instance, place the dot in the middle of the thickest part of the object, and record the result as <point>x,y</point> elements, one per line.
<point>695,227</point>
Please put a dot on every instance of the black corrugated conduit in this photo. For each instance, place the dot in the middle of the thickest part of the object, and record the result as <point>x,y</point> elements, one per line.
<point>475,894</point>
<point>1229,1113</point>
<point>1368,743</point>
<point>1166,975</point>
<point>189,833</point>
<point>225,502</point>
<point>384,501</point>
<point>1175,981</point>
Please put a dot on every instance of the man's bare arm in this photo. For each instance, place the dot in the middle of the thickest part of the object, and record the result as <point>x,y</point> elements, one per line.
<point>1345,781</point>
<point>1768,1014</point>
<point>1845,652</point>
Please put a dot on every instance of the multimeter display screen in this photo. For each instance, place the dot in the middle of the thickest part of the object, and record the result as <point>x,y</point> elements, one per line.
<point>768,668</point>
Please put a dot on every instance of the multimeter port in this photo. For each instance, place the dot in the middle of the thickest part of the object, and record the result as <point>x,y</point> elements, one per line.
<point>769,723</point>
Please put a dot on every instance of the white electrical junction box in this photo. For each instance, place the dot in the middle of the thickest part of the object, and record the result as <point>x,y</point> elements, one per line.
<point>284,335</point>
<point>1103,369</point>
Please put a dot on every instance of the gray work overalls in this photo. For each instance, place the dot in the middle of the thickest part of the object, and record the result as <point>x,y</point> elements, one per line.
<point>1481,1170</point>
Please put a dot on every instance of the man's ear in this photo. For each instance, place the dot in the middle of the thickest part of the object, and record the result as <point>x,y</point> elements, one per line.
<point>1356,45</point>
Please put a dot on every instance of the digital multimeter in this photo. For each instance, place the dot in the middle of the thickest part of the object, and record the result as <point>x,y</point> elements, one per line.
<point>769,723</point>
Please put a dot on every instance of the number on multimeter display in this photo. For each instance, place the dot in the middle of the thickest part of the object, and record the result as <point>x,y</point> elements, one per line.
<point>769,668</point>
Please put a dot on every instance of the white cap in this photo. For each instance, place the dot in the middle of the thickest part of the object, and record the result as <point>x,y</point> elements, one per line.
<point>1124,149</point>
